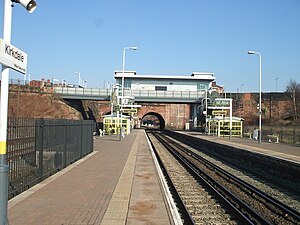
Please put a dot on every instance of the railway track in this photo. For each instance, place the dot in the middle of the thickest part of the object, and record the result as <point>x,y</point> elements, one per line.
<point>285,193</point>
<point>276,173</point>
<point>210,195</point>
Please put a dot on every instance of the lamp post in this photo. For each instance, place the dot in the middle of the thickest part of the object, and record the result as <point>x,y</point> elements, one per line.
<point>30,6</point>
<point>257,53</point>
<point>79,78</point>
<point>206,116</point>
<point>123,70</point>
<point>242,85</point>
<point>276,79</point>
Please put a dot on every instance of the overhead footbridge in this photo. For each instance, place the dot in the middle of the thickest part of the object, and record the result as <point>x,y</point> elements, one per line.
<point>139,95</point>
<point>148,88</point>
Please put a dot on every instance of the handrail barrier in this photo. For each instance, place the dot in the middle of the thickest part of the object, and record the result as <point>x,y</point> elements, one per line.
<point>128,92</point>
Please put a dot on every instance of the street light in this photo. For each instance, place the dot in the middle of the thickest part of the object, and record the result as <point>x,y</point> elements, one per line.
<point>4,168</point>
<point>257,53</point>
<point>29,5</point>
<point>242,85</point>
<point>79,78</point>
<point>123,70</point>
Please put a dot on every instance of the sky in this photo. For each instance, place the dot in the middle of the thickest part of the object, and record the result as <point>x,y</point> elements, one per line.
<point>62,37</point>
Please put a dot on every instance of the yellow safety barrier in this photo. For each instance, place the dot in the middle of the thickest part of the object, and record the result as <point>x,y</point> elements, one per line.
<point>2,148</point>
<point>112,125</point>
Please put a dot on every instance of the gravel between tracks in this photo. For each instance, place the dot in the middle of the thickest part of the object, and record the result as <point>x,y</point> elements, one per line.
<point>202,206</point>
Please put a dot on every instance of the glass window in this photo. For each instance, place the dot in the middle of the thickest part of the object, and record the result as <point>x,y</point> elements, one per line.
<point>160,88</point>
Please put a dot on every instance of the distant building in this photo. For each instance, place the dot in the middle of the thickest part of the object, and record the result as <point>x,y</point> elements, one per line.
<point>217,88</point>
<point>36,83</point>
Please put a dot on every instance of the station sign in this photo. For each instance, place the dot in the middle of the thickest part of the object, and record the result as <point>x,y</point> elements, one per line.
<point>129,110</point>
<point>12,57</point>
<point>222,102</point>
<point>219,113</point>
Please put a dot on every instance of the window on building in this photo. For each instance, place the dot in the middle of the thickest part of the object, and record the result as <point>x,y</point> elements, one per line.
<point>160,88</point>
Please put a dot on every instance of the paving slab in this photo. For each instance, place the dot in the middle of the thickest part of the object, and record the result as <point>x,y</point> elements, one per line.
<point>117,175</point>
<point>146,202</point>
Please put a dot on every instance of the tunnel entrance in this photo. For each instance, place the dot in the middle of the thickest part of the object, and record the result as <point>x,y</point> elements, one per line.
<point>153,120</point>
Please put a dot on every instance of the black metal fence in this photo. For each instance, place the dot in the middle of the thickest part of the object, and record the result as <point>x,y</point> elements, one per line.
<point>286,134</point>
<point>38,148</point>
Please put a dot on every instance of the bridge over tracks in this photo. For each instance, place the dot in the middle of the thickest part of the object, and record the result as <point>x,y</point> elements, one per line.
<point>140,95</point>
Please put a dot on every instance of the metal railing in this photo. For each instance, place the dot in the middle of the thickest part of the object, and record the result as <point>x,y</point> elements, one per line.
<point>193,95</point>
<point>38,148</point>
<point>165,94</point>
<point>83,91</point>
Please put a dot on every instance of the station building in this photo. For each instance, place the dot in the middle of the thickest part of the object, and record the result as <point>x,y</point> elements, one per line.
<point>197,81</point>
<point>204,110</point>
<point>166,92</point>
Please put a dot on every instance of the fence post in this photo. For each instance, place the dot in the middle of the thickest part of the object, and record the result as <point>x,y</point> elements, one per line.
<point>4,171</point>
<point>39,144</point>
<point>81,131</point>
<point>92,138</point>
<point>65,145</point>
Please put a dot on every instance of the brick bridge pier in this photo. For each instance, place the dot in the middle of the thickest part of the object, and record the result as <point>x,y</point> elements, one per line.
<point>170,115</point>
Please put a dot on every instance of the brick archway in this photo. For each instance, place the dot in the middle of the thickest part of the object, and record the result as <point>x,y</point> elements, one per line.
<point>174,116</point>
<point>162,122</point>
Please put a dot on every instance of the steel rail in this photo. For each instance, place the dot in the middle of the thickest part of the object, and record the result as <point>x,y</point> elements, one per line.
<point>185,215</point>
<point>213,184</point>
<point>286,210</point>
<point>193,141</point>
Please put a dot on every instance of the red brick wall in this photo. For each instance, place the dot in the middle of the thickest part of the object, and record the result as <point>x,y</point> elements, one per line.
<point>275,106</point>
<point>175,115</point>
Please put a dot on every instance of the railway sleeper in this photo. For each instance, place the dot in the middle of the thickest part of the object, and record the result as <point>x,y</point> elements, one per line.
<point>210,219</point>
<point>200,199</point>
<point>206,205</point>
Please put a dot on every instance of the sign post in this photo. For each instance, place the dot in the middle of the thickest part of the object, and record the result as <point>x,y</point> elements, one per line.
<point>224,103</point>
<point>10,57</point>
<point>3,119</point>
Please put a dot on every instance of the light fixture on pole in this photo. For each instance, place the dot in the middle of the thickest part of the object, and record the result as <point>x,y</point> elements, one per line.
<point>123,68</point>
<point>4,168</point>
<point>29,5</point>
<point>123,73</point>
<point>257,53</point>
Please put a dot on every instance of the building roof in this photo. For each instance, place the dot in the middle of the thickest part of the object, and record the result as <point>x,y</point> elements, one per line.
<point>193,76</point>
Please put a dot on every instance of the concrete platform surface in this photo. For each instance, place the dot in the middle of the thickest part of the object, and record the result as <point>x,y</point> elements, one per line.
<point>116,184</point>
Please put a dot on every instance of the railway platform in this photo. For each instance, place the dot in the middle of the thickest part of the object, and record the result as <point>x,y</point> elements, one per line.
<point>279,150</point>
<point>116,184</point>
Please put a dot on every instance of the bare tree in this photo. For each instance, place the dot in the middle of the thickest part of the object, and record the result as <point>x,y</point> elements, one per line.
<point>293,89</point>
